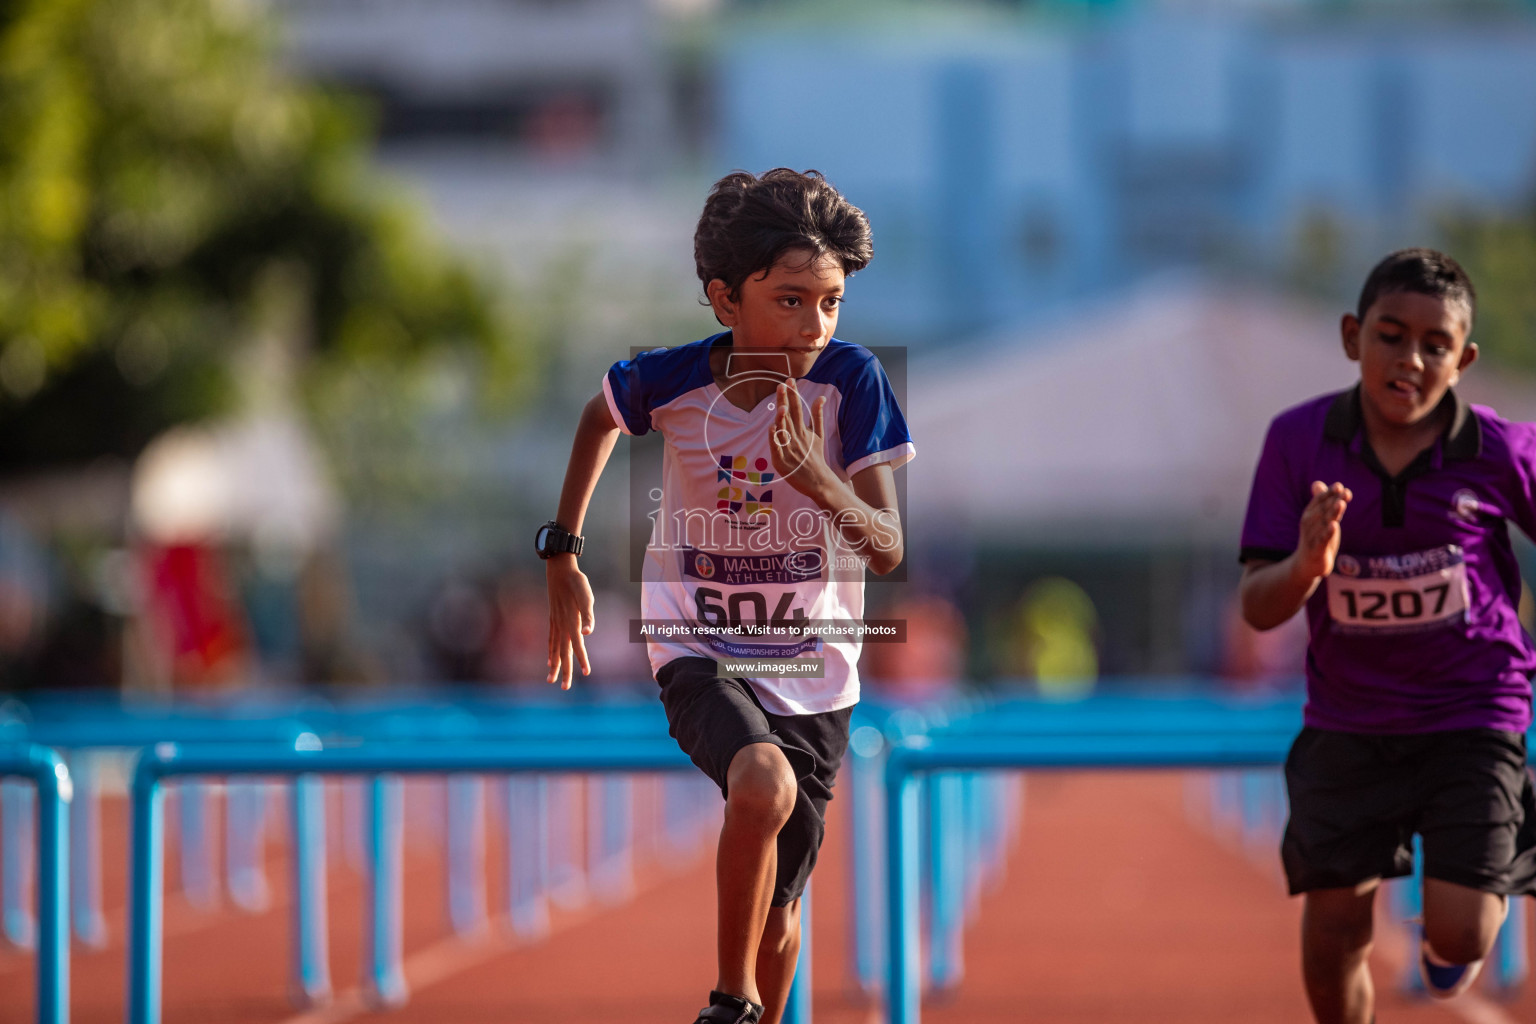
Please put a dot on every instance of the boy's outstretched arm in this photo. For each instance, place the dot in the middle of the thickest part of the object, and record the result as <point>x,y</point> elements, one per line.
<point>1272,592</point>
<point>880,532</point>
<point>570,596</point>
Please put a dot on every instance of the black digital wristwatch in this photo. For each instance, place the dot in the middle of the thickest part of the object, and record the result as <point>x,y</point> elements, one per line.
<point>554,539</point>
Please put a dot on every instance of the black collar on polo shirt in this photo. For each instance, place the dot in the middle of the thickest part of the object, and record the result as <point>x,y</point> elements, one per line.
<point>1462,439</point>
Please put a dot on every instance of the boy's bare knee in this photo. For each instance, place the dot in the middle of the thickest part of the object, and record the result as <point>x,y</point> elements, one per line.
<point>1460,924</point>
<point>1461,938</point>
<point>1459,942</point>
<point>761,785</point>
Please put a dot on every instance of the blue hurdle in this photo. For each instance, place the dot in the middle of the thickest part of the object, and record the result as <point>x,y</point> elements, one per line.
<point>866,750</point>
<point>528,855</point>
<point>1252,737</point>
<point>17,926</point>
<point>100,726</point>
<point>540,865</point>
<point>967,851</point>
<point>1512,954</point>
<point>970,815</point>
<point>908,761</point>
<point>465,855</point>
<point>104,723</point>
<point>90,924</point>
<point>48,773</point>
<point>304,758</point>
<point>382,949</point>
<point>797,1008</point>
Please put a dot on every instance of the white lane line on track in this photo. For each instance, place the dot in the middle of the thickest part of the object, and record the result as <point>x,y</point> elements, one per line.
<point>1474,1009</point>
<point>443,959</point>
<point>179,918</point>
<point>455,954</point>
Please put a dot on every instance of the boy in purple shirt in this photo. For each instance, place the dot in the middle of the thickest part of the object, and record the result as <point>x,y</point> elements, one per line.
<point>1418,671</point>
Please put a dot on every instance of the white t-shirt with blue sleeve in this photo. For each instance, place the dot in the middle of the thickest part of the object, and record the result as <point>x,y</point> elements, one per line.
<point>732,543</point>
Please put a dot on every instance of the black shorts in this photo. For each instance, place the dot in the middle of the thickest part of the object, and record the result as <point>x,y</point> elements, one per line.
<point>1357,799</point>
<point>712,717</point>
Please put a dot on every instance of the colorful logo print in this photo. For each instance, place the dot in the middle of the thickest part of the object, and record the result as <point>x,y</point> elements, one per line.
<point>703,566</point>
<point>737,496</point>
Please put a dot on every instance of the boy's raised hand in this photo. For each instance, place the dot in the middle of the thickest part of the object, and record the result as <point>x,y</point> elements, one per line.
<point>796,445</point>
<point>570,618</point>
<point>1318,544</point>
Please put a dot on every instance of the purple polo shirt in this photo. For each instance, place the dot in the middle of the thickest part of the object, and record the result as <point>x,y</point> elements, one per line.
<point>1415,630</point>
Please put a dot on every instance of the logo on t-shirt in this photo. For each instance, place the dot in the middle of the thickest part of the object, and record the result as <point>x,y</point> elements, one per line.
<point>730,570</point>
<point>746,492</point>
<point>1465,506</point>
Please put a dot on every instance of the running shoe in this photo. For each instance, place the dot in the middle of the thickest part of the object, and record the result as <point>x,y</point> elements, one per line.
<point>1444,980</point>
<point>727,1009</point>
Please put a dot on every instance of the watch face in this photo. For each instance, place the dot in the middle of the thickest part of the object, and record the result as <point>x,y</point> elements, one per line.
<point>541,539</point>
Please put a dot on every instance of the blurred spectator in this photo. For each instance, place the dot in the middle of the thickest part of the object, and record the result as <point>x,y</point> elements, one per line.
<point>1254,660</point>
<point>930,662</point>
<point>81,648</point>
<point>328,650</point>
<point>1052,638</point>
<point>519,647</point>
<point>59,625</point>
<point>461,624</point>
<point>518,650</point>
<point>246,501</point>
<point>18,623</point>
<point>23,598</point>
<point>267,594</point>
<point>192,617</point>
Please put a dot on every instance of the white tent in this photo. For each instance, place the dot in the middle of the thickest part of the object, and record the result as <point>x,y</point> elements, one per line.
<point>257,479</point>
<point>1140,420</point>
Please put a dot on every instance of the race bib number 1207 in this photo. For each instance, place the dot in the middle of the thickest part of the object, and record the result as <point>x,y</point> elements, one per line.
<point>1398,593</point>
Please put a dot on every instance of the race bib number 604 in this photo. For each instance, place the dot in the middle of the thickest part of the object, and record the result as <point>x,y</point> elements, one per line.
<point>1398,593</point>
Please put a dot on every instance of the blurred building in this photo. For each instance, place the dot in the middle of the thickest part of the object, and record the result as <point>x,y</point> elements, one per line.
<point>581,78</point>
<point>1012,165</point>
<point>558,141</point>
<point>1015,158</point>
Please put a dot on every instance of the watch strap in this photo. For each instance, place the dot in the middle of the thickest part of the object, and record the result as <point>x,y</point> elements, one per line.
<point>561,541</point>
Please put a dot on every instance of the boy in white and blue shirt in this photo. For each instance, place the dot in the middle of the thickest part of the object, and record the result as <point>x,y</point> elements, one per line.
<point>777,492</point>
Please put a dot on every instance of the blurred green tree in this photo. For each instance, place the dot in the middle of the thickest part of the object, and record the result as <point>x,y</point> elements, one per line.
<point>167,194</point>
<point>1500,256</point>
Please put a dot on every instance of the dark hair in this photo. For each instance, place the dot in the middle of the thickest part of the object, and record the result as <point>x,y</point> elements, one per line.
<point>1424,271</point>
<point>749,222</point>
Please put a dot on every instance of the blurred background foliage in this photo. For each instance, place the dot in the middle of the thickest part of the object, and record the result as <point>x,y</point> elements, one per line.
<point>170,198</point>
<point>1500,255</point>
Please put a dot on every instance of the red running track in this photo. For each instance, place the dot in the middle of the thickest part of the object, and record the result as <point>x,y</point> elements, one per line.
<point>1115,907</point>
